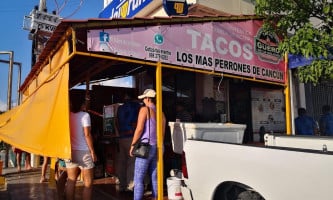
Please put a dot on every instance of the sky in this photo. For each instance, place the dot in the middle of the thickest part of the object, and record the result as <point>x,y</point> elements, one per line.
<point>14,38</point>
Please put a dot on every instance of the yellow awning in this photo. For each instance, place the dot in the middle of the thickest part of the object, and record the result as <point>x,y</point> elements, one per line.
<point>40,125</point>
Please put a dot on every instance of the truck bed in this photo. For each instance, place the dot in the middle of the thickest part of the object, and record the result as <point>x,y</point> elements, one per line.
<point>273,172</point>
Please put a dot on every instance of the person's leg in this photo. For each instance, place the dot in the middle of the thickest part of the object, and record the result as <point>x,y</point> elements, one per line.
<point>61,182</point>
<point>88,178</point>
<point>129,166</point>
<point>153,175</point>
<point>72,175</point>
<point>120,165</point>
<point>140,169</point>
<point>44,168</point>
<point>18,161</point>
<point>27,161</point>
<point>152,170</point>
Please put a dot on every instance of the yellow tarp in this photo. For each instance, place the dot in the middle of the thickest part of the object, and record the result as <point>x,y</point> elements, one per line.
<point>40,125</point>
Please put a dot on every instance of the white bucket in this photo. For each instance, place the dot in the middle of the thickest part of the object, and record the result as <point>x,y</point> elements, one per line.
<point>174,188</point>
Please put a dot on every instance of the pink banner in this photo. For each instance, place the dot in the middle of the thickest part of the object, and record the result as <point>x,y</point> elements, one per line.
<point>232,47</point>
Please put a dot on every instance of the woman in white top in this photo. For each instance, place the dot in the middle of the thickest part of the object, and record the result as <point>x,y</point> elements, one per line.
<point>83,153</point>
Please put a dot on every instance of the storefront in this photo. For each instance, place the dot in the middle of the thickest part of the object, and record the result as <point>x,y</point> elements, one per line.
<point>223,69</point>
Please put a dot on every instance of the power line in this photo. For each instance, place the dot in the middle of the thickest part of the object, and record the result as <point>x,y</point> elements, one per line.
<point>76,10</point>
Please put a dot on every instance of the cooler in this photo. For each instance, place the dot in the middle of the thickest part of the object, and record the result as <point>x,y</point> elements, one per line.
<point>221,132</point>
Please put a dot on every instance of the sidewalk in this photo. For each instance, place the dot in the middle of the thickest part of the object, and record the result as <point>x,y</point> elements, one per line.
<point>25,185</point>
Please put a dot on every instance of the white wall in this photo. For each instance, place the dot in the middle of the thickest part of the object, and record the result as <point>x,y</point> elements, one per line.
<point>230,6</point>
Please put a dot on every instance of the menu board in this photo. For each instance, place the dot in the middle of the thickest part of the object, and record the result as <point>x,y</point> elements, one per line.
<point>268,110</point>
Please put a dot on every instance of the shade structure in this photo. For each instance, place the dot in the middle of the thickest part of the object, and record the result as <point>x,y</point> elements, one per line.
<point>40,124</point>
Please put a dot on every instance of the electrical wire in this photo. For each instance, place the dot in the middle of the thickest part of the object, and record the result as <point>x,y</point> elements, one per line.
<point>76,10</point>
<point>218,87</point>
<point>57,6</point>
<point>63,6</point>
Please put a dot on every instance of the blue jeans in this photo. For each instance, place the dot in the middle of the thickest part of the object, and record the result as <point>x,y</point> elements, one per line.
<point>142,166</point>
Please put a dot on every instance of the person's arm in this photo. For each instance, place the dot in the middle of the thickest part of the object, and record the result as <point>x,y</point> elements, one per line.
<point>139,128</point>
<point>89,140</point>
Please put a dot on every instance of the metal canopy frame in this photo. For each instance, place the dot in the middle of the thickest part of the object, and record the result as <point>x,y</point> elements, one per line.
<point>87,66</point>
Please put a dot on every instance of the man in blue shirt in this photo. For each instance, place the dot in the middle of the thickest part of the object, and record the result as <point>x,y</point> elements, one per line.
<point>305,125</point>
<point>127,115</point>
<point>326,121</point>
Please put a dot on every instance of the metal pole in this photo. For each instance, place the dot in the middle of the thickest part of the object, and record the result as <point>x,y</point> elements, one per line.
<point>159,131</point>
<point>288,100</point>
<point>7,62</point>
<point>18,78</point>
<point>9,93</point>
<point>35,43</point>
<point>18,103</point>
<point>34,57</point>
<point>10,76</point>
<point>10,81</point>
<point>42,5</point>
<point>292,114</point>
<point>19,83</point>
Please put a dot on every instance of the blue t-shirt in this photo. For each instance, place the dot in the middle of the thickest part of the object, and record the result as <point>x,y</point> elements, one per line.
<point>326,124</point>
<point>127,115</point>
<point>305,125</point>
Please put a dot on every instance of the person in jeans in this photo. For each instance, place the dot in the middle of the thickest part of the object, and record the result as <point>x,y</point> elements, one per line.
<point>146,127</point>
<point>83,153</point>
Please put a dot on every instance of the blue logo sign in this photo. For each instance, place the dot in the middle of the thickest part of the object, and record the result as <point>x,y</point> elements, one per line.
<point>158,39</point>
<point>175,7</point>
<point>104,37</point>
<point>123,8</point>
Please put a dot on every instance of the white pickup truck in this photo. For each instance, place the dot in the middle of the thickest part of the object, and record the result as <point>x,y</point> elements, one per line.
<point>285,168</point>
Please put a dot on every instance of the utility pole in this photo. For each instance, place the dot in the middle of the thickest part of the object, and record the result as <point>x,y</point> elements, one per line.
<point>42,5</point>
<point>35,43</point>
<point>41,26</point>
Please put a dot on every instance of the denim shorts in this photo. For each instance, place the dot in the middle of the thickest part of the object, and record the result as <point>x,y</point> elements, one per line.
<point>81,159</point>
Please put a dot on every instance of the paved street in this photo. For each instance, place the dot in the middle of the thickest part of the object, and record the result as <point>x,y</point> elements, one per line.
<point>25,185</point>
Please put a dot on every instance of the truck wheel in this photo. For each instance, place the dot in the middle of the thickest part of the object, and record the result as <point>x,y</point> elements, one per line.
<point>249,195</point>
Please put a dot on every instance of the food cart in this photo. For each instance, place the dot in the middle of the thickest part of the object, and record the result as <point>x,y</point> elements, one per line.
<point>84,52</point>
